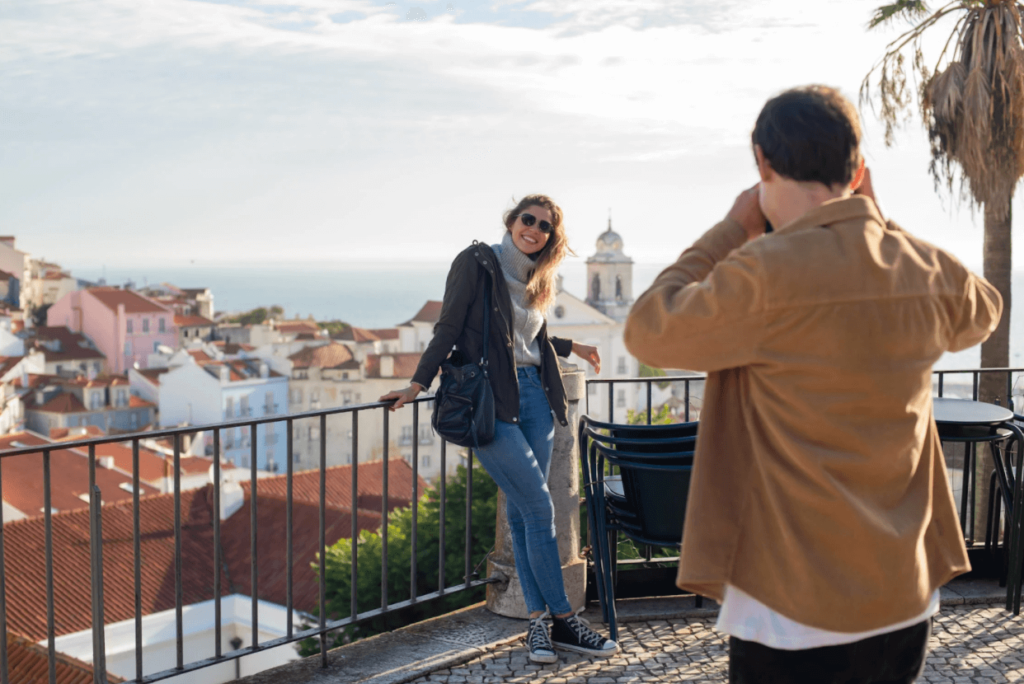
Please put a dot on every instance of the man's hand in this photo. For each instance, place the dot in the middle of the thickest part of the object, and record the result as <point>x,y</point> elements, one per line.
<point>746,211</point>
<point>867,189</point>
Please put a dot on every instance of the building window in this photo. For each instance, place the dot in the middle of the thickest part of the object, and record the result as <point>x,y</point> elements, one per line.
<point>96,400</point>
<point>96,366</point>
<point>426,435</point>
<point>269,407</point>
<point>314,433</point>
<point>229,439</point>
<point>245,436</point>
<point>348,459</point>
<point>145,325</point>
<point>185,333</point>
<point>296,396</point>
<point>406,438</point>
<point>58,369</point>
<point>620,398</point>
<point>344,375</point>
<point>346,398</point>
<point>245,463</point>
<point>243,406</point>
<point>622,365</point>
<point>425,461</point>
<point>131,326</point>
<point>156,347</point>
<point>161,326</point>
<point>135,420</point>
<point>229,407</point>
<point>122,397</point>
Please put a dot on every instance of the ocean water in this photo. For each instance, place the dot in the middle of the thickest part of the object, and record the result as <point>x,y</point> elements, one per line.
<point>383,295</point>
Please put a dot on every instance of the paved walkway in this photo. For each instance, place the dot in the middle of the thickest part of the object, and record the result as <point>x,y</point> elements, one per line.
<point>970,644</point>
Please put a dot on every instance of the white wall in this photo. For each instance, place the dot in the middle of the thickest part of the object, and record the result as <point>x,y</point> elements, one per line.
<point>160,646</point>
<point>189,386</point>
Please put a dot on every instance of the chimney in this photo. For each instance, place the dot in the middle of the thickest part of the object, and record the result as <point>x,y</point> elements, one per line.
<point>387,366</point>
<point>40,397</point>
<point>225,374</point>
<point>264,370</point>
<point>106,462</point>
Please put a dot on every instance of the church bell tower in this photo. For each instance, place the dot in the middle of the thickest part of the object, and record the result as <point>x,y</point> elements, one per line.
<point>610,277</point>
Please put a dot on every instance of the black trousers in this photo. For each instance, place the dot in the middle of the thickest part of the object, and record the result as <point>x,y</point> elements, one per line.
<point>894,658</point>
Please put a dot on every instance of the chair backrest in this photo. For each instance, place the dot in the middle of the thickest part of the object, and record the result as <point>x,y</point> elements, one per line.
<point>655,486</point>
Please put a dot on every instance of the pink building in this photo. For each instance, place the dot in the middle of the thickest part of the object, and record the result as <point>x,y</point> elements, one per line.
<point>124,325</point>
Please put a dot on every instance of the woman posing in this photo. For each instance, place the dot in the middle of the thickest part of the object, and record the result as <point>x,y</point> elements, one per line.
<point>528,398</point>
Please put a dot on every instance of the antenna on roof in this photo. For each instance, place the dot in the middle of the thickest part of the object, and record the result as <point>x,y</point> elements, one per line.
<point>609,218</point>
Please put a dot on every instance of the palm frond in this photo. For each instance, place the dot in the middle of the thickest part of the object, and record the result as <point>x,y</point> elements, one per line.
<point>908,9</point>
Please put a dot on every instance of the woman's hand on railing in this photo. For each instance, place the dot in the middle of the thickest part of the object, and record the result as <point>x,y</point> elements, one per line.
<point>588,354</point>
<point>402,397</point>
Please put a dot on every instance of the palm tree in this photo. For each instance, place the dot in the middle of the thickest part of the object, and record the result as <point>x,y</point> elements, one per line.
<point>972,103</point>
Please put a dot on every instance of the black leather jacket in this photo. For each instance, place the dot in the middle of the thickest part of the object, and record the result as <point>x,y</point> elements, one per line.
<point>460,326</point>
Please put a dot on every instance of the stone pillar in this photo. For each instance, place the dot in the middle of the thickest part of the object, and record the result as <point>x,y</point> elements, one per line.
<point>564,482</point>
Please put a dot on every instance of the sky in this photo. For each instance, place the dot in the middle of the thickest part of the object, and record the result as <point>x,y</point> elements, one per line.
<point>173,132</point>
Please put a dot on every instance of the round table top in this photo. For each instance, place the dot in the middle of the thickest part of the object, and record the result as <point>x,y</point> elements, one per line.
<point>966,412</point>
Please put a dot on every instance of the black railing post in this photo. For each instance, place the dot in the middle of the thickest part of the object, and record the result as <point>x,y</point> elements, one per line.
<point>137,558</point>
<point>649,409</point>
<point>415,491</point>
<point>384,517</point>
<point>323,540</point>
<point>51,633</point>
<point>178,598</point>
<point>442,494</point>
<point>4,677</point>
<point>611,402</point>
<point>99,651</point>
<point>217,484</point>
<point>686,401</point>
<point>288,524</point>
<point>354,609</point>
<point>254,549</point>
<point>469,517</point>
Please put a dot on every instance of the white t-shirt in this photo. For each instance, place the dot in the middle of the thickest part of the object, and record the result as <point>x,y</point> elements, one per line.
<point>746,618</point>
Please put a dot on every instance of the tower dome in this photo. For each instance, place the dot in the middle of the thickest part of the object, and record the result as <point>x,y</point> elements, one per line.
<point>609,242</point>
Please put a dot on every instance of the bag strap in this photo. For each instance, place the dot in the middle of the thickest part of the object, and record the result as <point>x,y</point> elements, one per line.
<point>487,322</point>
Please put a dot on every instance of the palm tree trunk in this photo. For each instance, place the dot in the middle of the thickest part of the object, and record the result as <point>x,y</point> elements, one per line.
<point>995,352</point>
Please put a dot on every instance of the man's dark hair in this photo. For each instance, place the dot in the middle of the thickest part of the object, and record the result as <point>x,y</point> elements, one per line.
<point>810,134</point>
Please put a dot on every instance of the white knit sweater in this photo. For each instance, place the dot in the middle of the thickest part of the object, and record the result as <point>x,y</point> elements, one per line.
<point>517,268</point>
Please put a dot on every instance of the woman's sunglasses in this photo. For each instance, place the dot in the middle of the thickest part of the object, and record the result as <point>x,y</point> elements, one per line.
<point>529,219</point>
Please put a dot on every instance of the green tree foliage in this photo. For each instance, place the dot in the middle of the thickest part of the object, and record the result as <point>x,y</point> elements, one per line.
<point>663,416</point>
<point>335,327</point>
<point>257,315</point>
<point>338,578</point>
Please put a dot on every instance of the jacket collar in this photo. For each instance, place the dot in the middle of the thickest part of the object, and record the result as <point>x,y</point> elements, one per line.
<point>836,211</point>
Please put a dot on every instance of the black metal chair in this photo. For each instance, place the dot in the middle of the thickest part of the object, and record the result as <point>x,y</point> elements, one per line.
<point>645,501</point>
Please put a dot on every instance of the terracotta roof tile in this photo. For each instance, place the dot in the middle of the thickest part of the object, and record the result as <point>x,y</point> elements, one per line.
<point>405,364</point>
<point>9,362</point>
<point>152,374</point>
<point>24,553</point>
<point>139,402</point>
<point>66,434</point>
<point>65,402</point>
<point>429,313</point>
<point>294,327</point>
<point>328,356</point>
<point>69,478</point>
<point>133,302</point>
<point>385,333</point>
<point>338,481</point>
<point>73,346</point>
<point>200,356</point>
<point>358,335</point>
<point>28,663</point>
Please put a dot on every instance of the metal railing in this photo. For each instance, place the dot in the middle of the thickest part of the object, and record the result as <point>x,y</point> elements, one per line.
<point>965,489</point>
<point>323,625</point>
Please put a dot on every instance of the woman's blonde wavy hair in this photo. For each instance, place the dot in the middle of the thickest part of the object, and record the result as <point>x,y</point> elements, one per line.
<point>540,289</point>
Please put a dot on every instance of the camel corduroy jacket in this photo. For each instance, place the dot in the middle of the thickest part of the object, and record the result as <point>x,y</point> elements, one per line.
<point>819,484</point>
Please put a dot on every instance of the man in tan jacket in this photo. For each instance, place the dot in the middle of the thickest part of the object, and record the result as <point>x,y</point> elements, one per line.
<point>819,512</point>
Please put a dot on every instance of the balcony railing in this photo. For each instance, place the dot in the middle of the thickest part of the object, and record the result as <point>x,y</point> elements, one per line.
<point>323,625</point>
<point>962,479</point>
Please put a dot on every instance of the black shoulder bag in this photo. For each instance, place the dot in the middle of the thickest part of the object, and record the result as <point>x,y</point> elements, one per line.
<point>464,402</point>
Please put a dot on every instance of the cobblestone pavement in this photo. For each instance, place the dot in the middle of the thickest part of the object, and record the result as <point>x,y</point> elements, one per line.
<point>970,644</point>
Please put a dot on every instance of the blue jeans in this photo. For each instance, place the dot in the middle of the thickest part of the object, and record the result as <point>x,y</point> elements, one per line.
<point>518,459</point>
